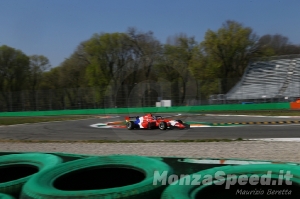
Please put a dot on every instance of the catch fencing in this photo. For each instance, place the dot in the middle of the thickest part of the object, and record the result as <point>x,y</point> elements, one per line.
<point>141,96</point>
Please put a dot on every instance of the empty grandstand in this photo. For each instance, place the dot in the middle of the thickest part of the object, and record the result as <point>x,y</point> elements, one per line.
<point>274,80</point>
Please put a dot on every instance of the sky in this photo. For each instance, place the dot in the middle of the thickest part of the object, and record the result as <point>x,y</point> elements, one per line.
<point>54,28</point>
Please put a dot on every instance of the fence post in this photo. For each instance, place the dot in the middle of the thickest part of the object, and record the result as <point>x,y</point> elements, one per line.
<point>64,101</point>
<point>199,91</point>
<point>50,99</point>
<point>10,102</point>
<point>22,100</point>
<point>36,100</point>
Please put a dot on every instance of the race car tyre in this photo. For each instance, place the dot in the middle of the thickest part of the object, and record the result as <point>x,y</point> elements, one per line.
<point>6,196</point>
<point>115,176</point>
<point>162,125</point>
<point>130,125</point>
<point>149,125</point>
<point>230,181</point>
<point>17,169</point>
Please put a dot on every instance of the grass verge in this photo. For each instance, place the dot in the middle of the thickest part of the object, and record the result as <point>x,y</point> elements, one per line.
<point>24,120</point>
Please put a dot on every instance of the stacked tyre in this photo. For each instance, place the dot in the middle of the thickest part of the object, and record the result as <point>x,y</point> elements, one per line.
<point>17,169</point>
<point>6,196</point>
<point>48,176</point>
<point>116,176</point>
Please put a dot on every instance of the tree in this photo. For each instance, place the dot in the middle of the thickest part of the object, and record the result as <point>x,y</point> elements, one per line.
<point>175,63</point>
<point>52,83</point>
<point>108,56</point>
<point>73,69</point>
<point>228,51</point>
<point>73,73</point>
<point>203,70</point>
<point>275,45</point>
<point>145,50</point>
<point>14,68</point>
<point>37,66</point>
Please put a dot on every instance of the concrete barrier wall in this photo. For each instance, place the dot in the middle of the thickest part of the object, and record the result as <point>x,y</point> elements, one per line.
<point>179,109</point>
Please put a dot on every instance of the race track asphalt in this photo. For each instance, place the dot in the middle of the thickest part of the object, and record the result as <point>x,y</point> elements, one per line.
<point>81,130</point>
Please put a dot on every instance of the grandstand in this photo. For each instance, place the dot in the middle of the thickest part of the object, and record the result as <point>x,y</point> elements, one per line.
<point>273,80</point>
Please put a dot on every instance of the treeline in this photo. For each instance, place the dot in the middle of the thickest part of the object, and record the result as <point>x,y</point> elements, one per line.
<point>114,64</point>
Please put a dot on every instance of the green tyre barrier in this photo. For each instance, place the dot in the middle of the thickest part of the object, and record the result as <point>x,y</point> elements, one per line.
<point>242,181</point>
<point>17,169</point>
<point>6,196</point>
<point>115,176</point>
<point>69,157</point>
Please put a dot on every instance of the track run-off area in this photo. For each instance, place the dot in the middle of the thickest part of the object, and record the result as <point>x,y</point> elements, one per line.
<point>112,128</point>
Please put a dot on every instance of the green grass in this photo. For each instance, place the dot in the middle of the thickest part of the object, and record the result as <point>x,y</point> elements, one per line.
<point>24,120</point>
<point>123,141</point>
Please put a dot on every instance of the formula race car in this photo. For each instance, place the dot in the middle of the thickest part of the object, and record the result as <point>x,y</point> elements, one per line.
<point>149,121</point>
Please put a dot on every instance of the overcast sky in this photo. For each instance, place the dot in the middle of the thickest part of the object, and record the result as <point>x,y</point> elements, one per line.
<point>54,28</point>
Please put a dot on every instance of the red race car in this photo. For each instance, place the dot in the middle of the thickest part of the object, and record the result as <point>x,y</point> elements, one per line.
<point>149,121</point>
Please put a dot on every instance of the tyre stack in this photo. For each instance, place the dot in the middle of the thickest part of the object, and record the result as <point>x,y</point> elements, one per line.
<point>47,176</point>
<point>17,169</point>
<point>51,176</point>
<point>6,196</point>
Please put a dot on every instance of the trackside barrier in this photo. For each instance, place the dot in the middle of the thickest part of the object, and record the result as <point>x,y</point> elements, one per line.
<point>295,105</point>
<point>222,107</point>
<point>17,169</point>
<point>6,196</point>
<point>174,166</point>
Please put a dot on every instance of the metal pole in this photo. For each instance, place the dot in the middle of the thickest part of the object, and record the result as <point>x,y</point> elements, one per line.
<point>10,102</point>
<point>36,100</point>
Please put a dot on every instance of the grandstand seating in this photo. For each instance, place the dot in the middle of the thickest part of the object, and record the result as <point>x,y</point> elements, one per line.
<point>268,79</point>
